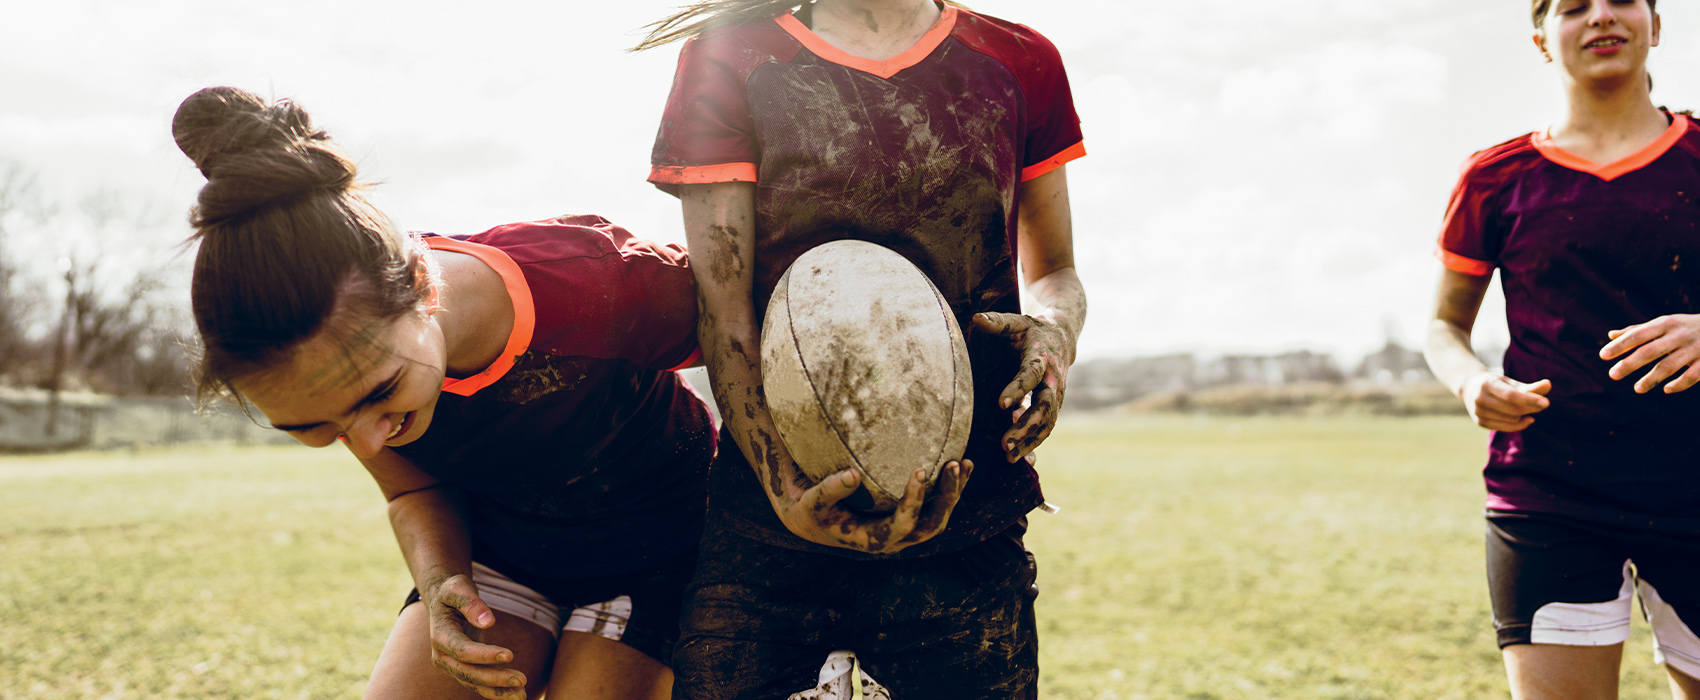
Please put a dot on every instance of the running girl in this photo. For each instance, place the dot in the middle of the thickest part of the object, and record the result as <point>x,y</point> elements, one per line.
<point>1593,488</point>
<point>509,391</point>
<point>941,134</point>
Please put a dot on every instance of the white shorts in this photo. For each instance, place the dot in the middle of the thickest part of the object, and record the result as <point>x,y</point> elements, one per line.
<point>607,619</point>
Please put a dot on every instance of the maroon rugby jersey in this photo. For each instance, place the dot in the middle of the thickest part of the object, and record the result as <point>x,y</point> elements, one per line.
<point>923,153</point>
<point>1583,249</point>
<point>581,455</point>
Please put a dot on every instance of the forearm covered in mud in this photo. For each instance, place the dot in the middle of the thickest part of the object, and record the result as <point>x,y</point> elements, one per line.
<point>720,233</point>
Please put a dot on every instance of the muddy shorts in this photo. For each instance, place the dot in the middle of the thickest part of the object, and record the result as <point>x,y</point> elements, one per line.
<point>761,620</point>
<point>1556,580</point>
<point>640,611</point>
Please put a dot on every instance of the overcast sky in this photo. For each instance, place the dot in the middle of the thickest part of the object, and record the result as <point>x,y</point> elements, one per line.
<point>1261,175</point>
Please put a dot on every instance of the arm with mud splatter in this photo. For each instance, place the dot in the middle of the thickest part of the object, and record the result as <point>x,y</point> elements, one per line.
<point>720,231</point>
<point>1047,336</point>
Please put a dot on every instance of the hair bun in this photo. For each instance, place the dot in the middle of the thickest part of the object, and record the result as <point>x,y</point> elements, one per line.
<point>254,154</point>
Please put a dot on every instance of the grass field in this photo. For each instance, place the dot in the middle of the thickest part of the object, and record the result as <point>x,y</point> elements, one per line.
<point>1263,558</point>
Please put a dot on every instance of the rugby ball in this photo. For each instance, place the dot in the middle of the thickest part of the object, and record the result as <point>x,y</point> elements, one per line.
<point>863,364</point>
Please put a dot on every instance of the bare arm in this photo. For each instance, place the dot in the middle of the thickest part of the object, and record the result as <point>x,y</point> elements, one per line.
<point>1493,400</point>
<point>1047,337</point>
<point>720,231</point>
<point>434,540</point>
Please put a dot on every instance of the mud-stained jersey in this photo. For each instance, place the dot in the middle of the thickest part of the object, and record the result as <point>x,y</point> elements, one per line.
<point>923,153</point>
<point>1583,249</point>
<point>581,455</point>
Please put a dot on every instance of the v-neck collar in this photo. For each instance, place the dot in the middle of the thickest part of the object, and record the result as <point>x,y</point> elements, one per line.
<point>1542,141</point>
<point>930,41</point>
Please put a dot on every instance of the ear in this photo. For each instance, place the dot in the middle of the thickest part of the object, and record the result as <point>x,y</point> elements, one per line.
<point>1541,44</point>
<point>1655,29</point>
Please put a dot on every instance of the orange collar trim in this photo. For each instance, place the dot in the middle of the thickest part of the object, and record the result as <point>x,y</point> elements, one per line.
<point>1542,141</point>
<point>942,27</point>
<point>525,314</point>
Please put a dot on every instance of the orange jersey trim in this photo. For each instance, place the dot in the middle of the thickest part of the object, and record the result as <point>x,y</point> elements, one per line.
<point>1460,264</point>
<point>1072,152</point>
<point>941,29</point>
<point>525,314</point>
<point>1542,141</point>
<point>703,174</point>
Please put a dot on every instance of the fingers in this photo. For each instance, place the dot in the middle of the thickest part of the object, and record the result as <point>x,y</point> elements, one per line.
<point>826,494</point>
<point>1032,372</point>
<point>1010,326</point>
<point>1033,425</point>
<point>489,681</point>
<point>952,479</point>
<point>1514,398</point>
<point>909,509</point>
<point>1625,339</point>
<point>1667,367</point>
<point>1682,383</point>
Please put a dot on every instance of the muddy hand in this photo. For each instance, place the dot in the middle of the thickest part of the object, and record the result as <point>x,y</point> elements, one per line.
<point>819,516</point>
<point>1035,396</point>
<point>453,604</point>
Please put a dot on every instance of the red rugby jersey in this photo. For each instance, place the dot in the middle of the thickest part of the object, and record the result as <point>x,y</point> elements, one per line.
<point>1584,248</point>
<point>580,453</point>
<point>923,154</point>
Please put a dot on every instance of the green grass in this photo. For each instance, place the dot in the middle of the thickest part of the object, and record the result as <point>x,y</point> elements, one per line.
<point>1271,558</point>
<point>1267,558</point>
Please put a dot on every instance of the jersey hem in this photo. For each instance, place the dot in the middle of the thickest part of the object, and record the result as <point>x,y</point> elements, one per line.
<point>1031,172</point>
<point>525,313</point>
<point>702,174</point>
<point>1458,263</point>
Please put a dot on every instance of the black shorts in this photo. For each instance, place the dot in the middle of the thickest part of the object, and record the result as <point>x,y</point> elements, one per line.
<point>639,610</point>
<point>1556,580</point>
<point>760,621</point>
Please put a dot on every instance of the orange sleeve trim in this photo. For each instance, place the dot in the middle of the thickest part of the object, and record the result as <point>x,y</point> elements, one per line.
<point>941,29</point>
<point>525,313</point>
<point>696,354</point>
<point>1460,264</point>
<point>1052,163</point>
<point>703,174</point>
<point>1542,141</point>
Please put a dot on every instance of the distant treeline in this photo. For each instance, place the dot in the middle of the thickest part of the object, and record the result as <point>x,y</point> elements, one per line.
<point>91,293</point>
<point>1295,380</point>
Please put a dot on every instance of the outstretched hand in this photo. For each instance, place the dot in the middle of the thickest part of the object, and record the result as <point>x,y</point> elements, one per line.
<point>815,514</point>
<point>1035,396</point>
<point>1673,342</point>
<point>453,605</point>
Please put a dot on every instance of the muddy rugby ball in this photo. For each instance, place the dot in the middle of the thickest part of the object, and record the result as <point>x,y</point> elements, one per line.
<point>863,364</point>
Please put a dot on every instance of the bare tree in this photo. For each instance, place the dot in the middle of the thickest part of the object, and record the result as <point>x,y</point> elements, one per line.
<point>21,206</point>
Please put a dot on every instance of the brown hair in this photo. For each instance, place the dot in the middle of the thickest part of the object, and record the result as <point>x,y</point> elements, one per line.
<point>713,13</point>
<point>288,244</point>
<point>1538,10</point>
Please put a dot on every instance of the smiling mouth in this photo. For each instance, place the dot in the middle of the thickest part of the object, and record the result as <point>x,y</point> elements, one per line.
<point>406,422</point>
<point>1604,43</point>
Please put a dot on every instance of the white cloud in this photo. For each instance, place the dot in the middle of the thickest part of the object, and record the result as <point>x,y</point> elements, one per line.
<point>1341,92</point>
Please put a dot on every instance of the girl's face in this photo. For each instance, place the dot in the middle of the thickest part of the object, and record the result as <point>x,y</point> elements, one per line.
<point>378,391</point>
<point>1597,40</point>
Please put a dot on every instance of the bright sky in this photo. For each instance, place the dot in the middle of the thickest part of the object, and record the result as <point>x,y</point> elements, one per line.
<point>1261,176</point>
